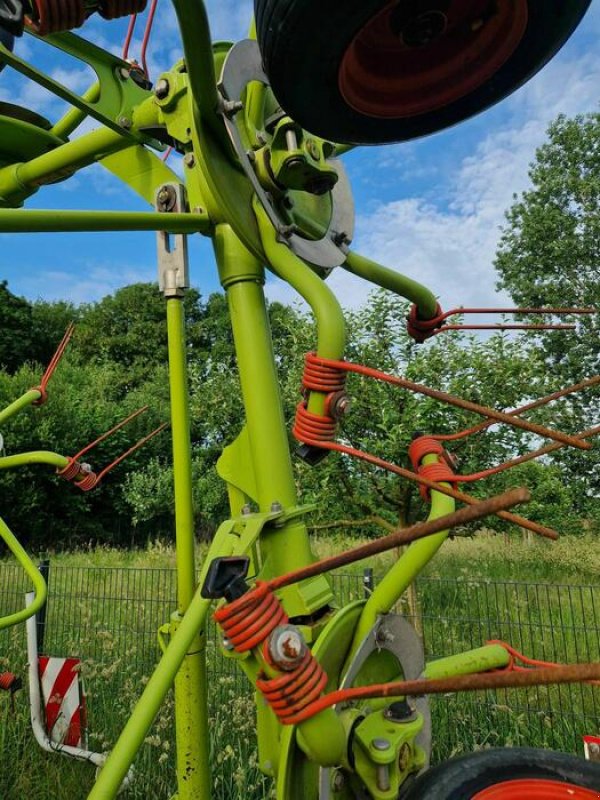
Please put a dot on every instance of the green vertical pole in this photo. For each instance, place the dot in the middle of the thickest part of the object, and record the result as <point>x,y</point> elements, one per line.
<point>191,716</point>
<point>288,547</point>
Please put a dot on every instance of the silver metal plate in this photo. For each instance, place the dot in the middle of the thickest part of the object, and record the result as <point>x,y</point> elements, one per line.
<point>242,65</point>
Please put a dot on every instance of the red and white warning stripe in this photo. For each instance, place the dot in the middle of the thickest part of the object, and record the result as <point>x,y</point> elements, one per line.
<point>64,701</point>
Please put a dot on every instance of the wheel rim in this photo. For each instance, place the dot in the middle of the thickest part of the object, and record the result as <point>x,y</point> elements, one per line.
<point>535,789</point>
<point>416,56</point>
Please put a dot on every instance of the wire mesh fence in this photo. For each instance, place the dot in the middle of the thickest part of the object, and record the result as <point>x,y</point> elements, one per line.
<point>109,618</point>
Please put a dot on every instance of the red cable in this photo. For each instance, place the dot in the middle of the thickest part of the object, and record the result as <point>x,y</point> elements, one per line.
<point>129,36</point>
<point>146,37</point>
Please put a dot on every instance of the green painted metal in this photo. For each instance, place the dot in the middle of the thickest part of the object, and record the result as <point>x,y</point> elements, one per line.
<point>39,584</point>
<point>394,281</point>
<point>17,221</point>
<point>399,577</point>
<point>22,402</point>
<point>191,714</point>
<point>242,277</point>
<point>73,118</point>
<point>331,327</point>
<point>34,457</point>
<point>482,659</point>
<point>136,729</point>
<point>396,762</point>
<point>143,172</point>
<point>18,181</point>
<point>118,92</point>
<point>21,140</point>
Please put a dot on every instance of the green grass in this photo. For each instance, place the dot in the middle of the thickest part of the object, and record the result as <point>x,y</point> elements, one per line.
<point>467,596</point>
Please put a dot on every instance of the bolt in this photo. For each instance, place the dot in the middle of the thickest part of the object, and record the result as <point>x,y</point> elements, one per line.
<point>276,506</point>
<point>404,757</point>
<point>189,160</point>
<point>124,73</point>
<point>231,107</point>
<point>382,636</point>
<point>340,238</point>
<point>286,647</point>
<point>124,122</point>
<point>380,744</point>
<point>161,90</point>
<point>291,141</point>
<point>382,777</point>
<point>287,231</point>
<point>227,644</point>
<point>166,199</point>
<point>338,782</point>
<point>246,510</point>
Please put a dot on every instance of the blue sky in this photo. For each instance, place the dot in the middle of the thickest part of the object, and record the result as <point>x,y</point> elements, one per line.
<point>430,208</point>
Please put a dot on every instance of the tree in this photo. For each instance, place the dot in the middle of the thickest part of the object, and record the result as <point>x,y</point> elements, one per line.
<point>15,333</point>
<point>549,255</point>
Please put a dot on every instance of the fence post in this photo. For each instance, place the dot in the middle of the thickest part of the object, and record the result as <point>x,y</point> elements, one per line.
<point>44,568</point>
<point>368,582</point>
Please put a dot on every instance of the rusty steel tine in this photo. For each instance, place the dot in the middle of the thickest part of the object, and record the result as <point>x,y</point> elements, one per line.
<point>467,405</point>
<point>399,537</point>
<point>576,387</point>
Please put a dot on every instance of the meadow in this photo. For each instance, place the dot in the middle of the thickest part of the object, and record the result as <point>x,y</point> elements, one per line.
<point>105,606</point>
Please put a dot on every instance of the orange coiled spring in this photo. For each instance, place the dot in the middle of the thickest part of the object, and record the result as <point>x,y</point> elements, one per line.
<point>440,472</point>
<point>290,693</point>
<point>53,16</point>
<point>111,9</point>
<point>322,377</point>
<point>318,377</point>
<point>247,621</point>
<point>313,428</point>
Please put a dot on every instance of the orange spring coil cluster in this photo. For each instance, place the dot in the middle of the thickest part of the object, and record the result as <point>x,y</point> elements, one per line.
<point>247,623</point>
<point>440,472</point>
<point>72,470</point>
<point>317,377</point>
<point>54,16</point>
<point>111,9</point>
<point>422,329</point>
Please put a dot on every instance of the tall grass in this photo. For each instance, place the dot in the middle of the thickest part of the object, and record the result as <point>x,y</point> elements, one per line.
<point>108,616</point>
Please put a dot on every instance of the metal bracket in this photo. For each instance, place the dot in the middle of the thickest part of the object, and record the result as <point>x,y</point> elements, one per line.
<point>173,264</point>
<point>243,65</point>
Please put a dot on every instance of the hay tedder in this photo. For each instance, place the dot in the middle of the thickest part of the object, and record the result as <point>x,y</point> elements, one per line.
<point>261,125</point>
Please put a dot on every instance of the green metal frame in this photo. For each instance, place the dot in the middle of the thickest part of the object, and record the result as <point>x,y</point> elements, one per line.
<point>257,467</point>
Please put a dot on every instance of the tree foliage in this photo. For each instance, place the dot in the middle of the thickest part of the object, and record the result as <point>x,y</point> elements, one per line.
<point>549,255</point>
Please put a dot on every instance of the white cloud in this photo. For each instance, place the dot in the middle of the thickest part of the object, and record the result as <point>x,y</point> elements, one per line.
<point>451,247</point>
<point>91,282</point>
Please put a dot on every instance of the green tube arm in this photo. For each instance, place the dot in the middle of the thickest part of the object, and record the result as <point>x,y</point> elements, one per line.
<point>18,405</point>
<point>482,659</point>
<point>34,457</point>
<point>198,52</point>
<point>39,584</point>
<point>48,221</point>
<point>138,725</point>
<point>405,570</point>
<point>73,118</point>
<point>418,294</point>
<point>331,328</point>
